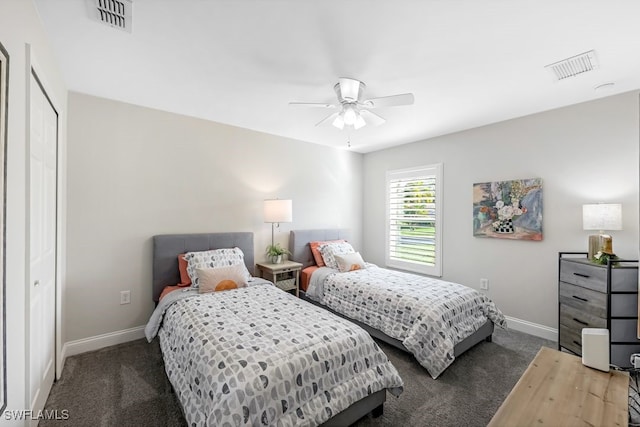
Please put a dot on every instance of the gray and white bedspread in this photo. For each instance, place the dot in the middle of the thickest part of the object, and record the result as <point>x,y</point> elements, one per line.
<point>260,356</point>
<point>429,316</point>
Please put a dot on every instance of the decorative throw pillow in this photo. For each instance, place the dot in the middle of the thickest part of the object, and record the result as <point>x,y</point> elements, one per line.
<point>317,256</point>
<point>220,278</point>
<point>349,262</point>
<point>213,259</point>
<point>329,250</point>
<point>185,280</point>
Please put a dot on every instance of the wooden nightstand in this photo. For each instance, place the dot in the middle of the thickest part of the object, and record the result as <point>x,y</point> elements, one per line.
<point>285,275</point>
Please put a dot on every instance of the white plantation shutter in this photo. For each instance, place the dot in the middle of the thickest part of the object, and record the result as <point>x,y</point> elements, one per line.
<point>414,200</point>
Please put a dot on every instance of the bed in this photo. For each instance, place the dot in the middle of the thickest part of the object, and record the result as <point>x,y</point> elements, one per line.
<point>380,301</point>
<point>257,355</point>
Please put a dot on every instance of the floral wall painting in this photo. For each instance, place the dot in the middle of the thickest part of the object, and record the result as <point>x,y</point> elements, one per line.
<point>508,209</point>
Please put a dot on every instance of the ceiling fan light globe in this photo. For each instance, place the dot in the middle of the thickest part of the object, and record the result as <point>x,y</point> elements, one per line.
<point>339,121</point>
<point>359,122</point>
<point>350,116</point>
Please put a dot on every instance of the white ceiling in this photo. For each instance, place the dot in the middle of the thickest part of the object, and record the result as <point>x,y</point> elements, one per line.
<point>240,62</point>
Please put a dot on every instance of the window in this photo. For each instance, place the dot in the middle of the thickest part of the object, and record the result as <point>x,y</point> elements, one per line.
<point>414,220</point>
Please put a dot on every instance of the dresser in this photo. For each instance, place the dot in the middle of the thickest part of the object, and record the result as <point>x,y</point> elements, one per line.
<point>598,296</point>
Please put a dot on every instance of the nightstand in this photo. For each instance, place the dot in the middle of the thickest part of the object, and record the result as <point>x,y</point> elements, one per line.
<point>285,275</point>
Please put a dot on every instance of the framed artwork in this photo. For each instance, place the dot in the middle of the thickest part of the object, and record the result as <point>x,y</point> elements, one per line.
<point>4,104</point>
<point>508,209</point>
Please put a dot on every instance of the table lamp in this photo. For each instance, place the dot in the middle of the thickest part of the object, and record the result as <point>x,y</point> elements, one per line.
<point>601,217</point>
<point>277,211</point>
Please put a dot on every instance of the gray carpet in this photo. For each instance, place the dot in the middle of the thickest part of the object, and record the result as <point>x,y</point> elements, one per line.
<point>125,385</point>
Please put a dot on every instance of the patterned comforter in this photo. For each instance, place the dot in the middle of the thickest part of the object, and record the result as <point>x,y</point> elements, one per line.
<point>260,356</point>
<point>429,316</point>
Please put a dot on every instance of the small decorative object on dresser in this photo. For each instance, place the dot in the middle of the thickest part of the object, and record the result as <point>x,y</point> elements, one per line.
<point>598,296</point>
<point>285,275</point>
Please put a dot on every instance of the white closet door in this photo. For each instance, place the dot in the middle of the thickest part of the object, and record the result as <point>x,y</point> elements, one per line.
<point>42,230</point>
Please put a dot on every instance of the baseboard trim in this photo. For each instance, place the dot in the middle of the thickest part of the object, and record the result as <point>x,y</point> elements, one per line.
<point>84,345</point>
<point>532,328</point>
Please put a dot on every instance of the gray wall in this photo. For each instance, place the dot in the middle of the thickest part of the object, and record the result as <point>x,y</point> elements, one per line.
<point>584,153</point>
<point>134,172</point>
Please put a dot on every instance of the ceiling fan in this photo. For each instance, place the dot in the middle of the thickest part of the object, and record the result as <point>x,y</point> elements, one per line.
<point>354,107</point>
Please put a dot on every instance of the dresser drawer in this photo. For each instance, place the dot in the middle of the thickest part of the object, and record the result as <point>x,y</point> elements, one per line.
<point>570,339</point>
<point>589,276</point>
<point>576,319</point>
<point>624,279</point>
<point>624,305</point>
<point>586,300</point>
<point>625,330</point>
<point>621,353</point>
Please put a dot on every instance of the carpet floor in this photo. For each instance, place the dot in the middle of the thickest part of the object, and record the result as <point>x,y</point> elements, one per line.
<point>125,385</point>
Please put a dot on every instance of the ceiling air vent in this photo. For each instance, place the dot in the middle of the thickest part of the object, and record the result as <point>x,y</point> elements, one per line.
<point>573,66</point>
<point>115,13</point>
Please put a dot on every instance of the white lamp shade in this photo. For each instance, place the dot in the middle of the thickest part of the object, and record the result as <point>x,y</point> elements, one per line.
<point>278,211</point>
<point>602,216</point>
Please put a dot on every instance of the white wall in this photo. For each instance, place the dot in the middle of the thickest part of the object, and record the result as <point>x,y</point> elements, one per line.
<point>135,172</point>
<point>584,153</point>
<point>20,24</point>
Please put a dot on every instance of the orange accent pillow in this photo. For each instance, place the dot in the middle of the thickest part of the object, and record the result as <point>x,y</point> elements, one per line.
<point>316,252</point>
<point>185,280</point>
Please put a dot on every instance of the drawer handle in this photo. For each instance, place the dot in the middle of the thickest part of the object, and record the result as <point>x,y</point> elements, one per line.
<point>577,343</point>
<point>586,276</point>
<point>579,298</point>
<point>581,322</point>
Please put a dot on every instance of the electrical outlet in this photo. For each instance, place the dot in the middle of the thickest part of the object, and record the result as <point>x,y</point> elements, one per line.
<point>484,284</point>
<point>125,297</point>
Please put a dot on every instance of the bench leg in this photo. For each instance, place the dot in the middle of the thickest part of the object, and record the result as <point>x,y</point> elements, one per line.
<point>489,338</point>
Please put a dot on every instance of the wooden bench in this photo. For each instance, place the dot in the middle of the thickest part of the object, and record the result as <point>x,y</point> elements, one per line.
<point>558,390</point>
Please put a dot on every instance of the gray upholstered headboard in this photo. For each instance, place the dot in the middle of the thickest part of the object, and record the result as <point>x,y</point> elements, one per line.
<point>299,242</point>
<point>167,247</point>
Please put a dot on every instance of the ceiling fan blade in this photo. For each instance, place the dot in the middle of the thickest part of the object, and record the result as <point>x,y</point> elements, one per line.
<point>349,88</point>
<point>389,101</point>
<point>372,117</point>
<point>312,104</point>
<point>327,120</point>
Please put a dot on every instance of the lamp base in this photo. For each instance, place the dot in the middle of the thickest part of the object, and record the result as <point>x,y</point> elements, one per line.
<point>600,243</point>
<point>594,245</point>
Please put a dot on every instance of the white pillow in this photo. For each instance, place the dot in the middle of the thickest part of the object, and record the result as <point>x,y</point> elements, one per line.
<point>329,250</point>
<point>349,262</point>
<point>213,259</point>
<point>220,278</point>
